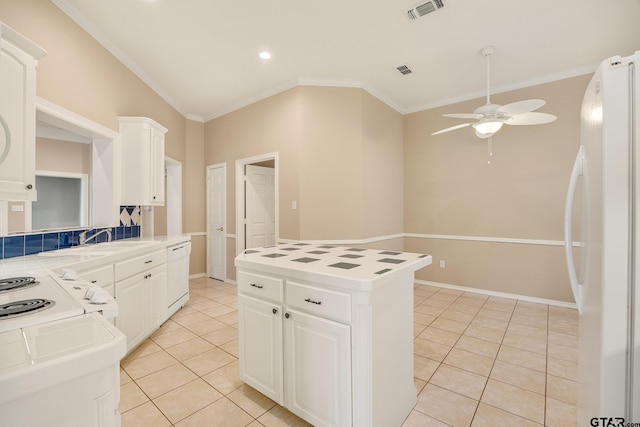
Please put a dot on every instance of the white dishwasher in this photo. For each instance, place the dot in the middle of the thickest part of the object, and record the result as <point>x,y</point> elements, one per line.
<point>177,276</point>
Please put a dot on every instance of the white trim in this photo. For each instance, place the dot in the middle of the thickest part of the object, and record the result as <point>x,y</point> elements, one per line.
<point>489,239</point>
<point>88,26</point>
<point>433,236</point>
<point>85,209</point>
<point>252,100</point>
<point>240,196</point>
<point>230,236</point>
<point>499,294</point>
<point>195,118</point>
<point>196,233</point>
<point>197,276</point>
<point>346,242</point>
<point>55,115</point>
<point>549,78</point>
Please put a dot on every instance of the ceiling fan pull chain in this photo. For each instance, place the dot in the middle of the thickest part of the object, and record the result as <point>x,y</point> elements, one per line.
<point>489,150</point>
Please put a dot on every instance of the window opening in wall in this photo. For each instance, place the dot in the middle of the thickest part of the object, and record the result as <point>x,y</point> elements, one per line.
<point>62,201</point>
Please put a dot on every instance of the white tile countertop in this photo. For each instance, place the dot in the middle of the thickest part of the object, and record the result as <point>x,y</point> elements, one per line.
<point>85,256</point>
<point>355,268</point>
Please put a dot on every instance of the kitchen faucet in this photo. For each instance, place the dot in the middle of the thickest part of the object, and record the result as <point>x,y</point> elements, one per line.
<point>83,239</point>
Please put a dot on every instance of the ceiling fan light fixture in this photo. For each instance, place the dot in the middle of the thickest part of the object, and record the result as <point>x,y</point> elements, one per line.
<point>488,128</point>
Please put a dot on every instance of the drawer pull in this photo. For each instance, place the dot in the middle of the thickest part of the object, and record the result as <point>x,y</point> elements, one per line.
<point>287,315</point>
<point>149,261</point>
<point>94,281</point>
<point>257,286</point>
<point>310,301</point>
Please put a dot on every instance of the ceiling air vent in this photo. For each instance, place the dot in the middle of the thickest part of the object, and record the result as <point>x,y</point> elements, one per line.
<point>423,8</point>
<point>404,70</point>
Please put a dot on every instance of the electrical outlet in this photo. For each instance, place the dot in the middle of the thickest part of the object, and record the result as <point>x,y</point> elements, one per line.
<point>294,205</point>
<point>441,263</point>
<point>17,208</point>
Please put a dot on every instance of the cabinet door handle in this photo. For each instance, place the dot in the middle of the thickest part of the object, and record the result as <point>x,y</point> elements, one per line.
<point>287,315</point>
<point>29,186</point>
<point>275,311</point>
<point>257,286</point>
<point>310,301</point>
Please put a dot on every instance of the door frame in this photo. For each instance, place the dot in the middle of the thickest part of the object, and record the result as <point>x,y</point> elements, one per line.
<point>240,196</point>
<point>210,169</point>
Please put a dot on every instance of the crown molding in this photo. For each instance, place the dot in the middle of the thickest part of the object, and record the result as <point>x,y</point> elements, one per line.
<point>86,25</point>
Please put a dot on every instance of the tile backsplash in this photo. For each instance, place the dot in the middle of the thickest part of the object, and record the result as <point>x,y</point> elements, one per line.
<point>36,242</point>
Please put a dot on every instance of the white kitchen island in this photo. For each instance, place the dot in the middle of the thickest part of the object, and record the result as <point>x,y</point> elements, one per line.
<point>327,331</point>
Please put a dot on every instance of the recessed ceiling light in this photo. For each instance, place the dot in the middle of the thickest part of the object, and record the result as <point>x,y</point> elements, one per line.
<point>265,55</point>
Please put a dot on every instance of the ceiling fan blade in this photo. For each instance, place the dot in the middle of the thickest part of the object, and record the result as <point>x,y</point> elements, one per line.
<point>463,125</point>
<point>531,119</point>
<point>520,107</point>
<point>464,116</point>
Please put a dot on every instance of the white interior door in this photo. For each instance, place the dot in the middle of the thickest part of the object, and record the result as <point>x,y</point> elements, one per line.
<point>216,234</point>
<point>260,206</point>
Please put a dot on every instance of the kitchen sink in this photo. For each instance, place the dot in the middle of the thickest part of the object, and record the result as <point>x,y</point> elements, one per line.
<point>99,249</point>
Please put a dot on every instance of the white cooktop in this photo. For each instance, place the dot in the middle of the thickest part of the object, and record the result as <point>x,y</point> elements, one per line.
<point>349,263</point>
<point>63,305</point>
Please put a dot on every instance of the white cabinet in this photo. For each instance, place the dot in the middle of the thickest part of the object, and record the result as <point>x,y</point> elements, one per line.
<point>317,360</point>
<point>347,331</point>
<point>142,145</point>
<point>141,294</point>
<point>303,361</point>
<point>261,346</point>
<point>18,63</point>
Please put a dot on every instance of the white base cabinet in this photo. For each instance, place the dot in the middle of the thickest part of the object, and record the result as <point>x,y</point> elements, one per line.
<point>141,294</point>
<point>317,372</point>
<point>262,346</point>
<point>327,332</point>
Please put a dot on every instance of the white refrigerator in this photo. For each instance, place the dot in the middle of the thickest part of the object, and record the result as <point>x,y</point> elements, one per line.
<point>606,175</point>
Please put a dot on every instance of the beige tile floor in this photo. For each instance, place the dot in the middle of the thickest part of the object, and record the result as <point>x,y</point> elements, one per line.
<point>479,361</point>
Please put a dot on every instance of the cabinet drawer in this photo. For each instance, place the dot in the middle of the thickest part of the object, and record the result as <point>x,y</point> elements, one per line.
<point>261,286</point>
<point>323,302</point>
<point>102,276</point>
<point>138,265</point>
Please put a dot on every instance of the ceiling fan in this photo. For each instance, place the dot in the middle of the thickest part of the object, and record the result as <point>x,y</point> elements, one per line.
<point>489,118</point>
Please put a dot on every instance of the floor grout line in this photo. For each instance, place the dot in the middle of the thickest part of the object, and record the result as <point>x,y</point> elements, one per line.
<point>471,313</point>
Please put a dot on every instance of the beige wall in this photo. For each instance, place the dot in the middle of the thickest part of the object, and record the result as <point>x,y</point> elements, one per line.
<point>451,190</point>
<point>340,158</point>
<point>357,168</point>
<point>193,189</point>
<point>63,156</point>
<point>80,75</point>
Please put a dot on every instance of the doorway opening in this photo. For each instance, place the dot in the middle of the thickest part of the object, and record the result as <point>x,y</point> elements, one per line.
<point>257,216</point>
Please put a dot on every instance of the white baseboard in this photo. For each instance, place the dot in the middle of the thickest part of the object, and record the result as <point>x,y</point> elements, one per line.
<point>499,294</point>
<point>197,275</point>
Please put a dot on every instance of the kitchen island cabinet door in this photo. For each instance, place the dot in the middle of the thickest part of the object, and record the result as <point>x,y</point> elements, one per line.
<point>260,346</point>
<point>317,360</point>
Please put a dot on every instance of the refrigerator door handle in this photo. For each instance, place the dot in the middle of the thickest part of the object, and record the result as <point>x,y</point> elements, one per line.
<point>576,287</point>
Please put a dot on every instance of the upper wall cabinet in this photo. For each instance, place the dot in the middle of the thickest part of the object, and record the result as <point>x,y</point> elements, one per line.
<point>142,161</point>
<point>18,62</point>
